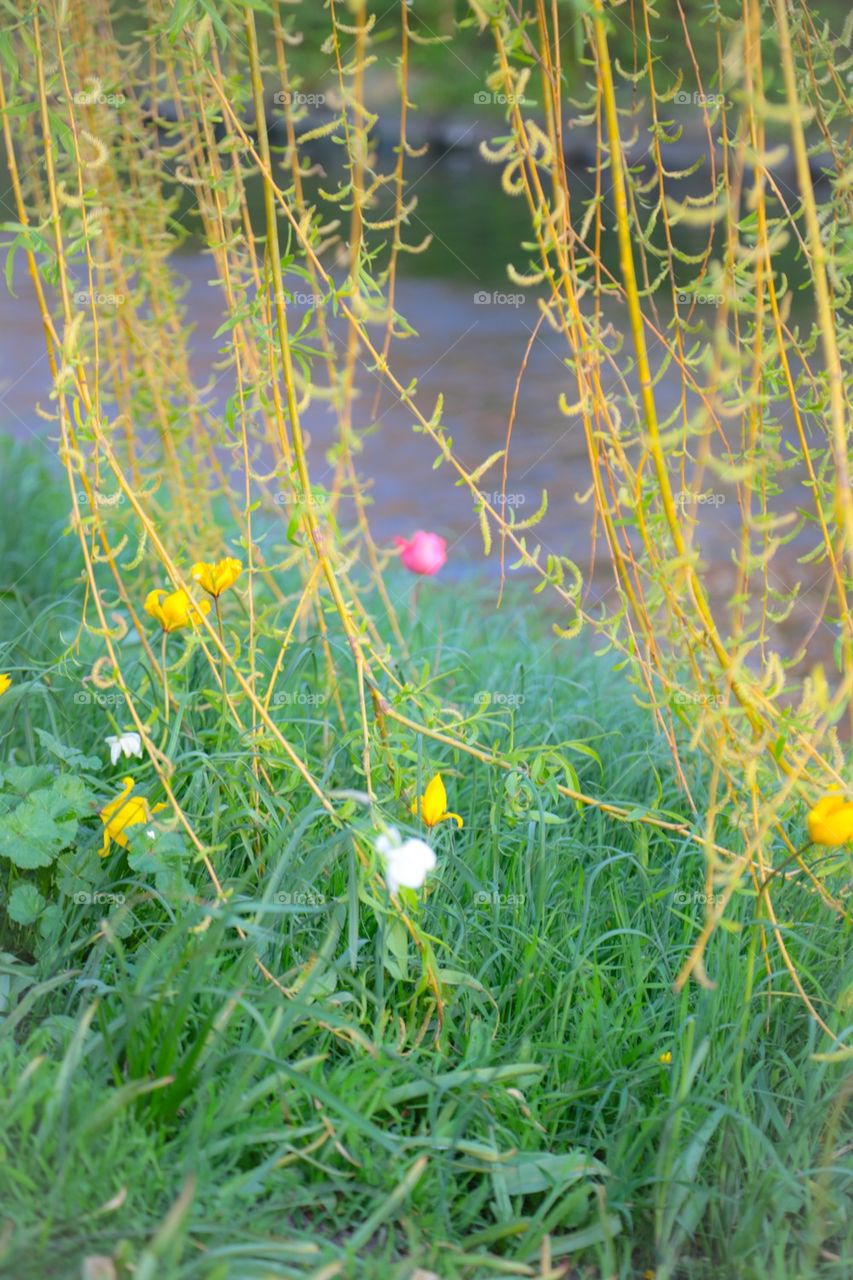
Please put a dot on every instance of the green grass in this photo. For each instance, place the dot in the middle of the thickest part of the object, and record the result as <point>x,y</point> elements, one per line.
<point>161,1104</point>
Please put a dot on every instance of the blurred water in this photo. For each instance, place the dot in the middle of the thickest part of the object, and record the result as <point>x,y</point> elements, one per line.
<point>472,331</point>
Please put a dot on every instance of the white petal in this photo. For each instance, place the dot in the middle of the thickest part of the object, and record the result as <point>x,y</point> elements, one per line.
<point>410,863</point>
<point>131,744</point>
<point>390,839</point>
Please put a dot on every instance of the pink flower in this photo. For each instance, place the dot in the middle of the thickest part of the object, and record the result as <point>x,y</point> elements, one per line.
<point>425,553</point>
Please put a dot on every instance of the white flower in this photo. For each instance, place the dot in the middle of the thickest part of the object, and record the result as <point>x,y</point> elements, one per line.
<point>407,862</point>
<point>126,744</point>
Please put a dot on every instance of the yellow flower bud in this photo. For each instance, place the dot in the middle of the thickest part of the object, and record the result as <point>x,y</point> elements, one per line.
<point>122,812</point>
<point>830,822</point>
<point>433,804</point>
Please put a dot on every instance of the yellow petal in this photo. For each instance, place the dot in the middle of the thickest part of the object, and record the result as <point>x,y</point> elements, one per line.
<point>131,814</point>
<point>154,606</point>
<point>117,814</point>
<point>5,682</point>
<point>109,809</point>
<point>227,573</point>
<point>202,572</point>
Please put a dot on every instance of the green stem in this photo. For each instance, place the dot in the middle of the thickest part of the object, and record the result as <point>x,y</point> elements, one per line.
<point>165,671</point>
<point>221,737</point>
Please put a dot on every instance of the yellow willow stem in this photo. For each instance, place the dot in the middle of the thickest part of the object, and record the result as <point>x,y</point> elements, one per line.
<point>529,560</point>
<point>274,259</point>
<point>629,280</point>
<point>826,318</point>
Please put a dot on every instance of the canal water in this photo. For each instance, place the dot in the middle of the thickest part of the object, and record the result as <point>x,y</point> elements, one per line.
<point>472,329</point>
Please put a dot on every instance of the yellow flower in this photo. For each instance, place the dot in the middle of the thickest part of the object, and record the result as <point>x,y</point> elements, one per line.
<point>433,804</point>
<point>123,812</point>
<point>5,682</point>
<point>831,821</point>
<point>217,576</point>
<point>174,609</point>
<point>665,1058</point>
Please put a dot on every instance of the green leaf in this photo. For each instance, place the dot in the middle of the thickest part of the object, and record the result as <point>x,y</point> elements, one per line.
<point>397,950</point>
<point>25,903</point>
<point>530,1172</point>
<point>161,857</point>
<point>69,755</point>
<point>34,833</point>
<point>50,919</point>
